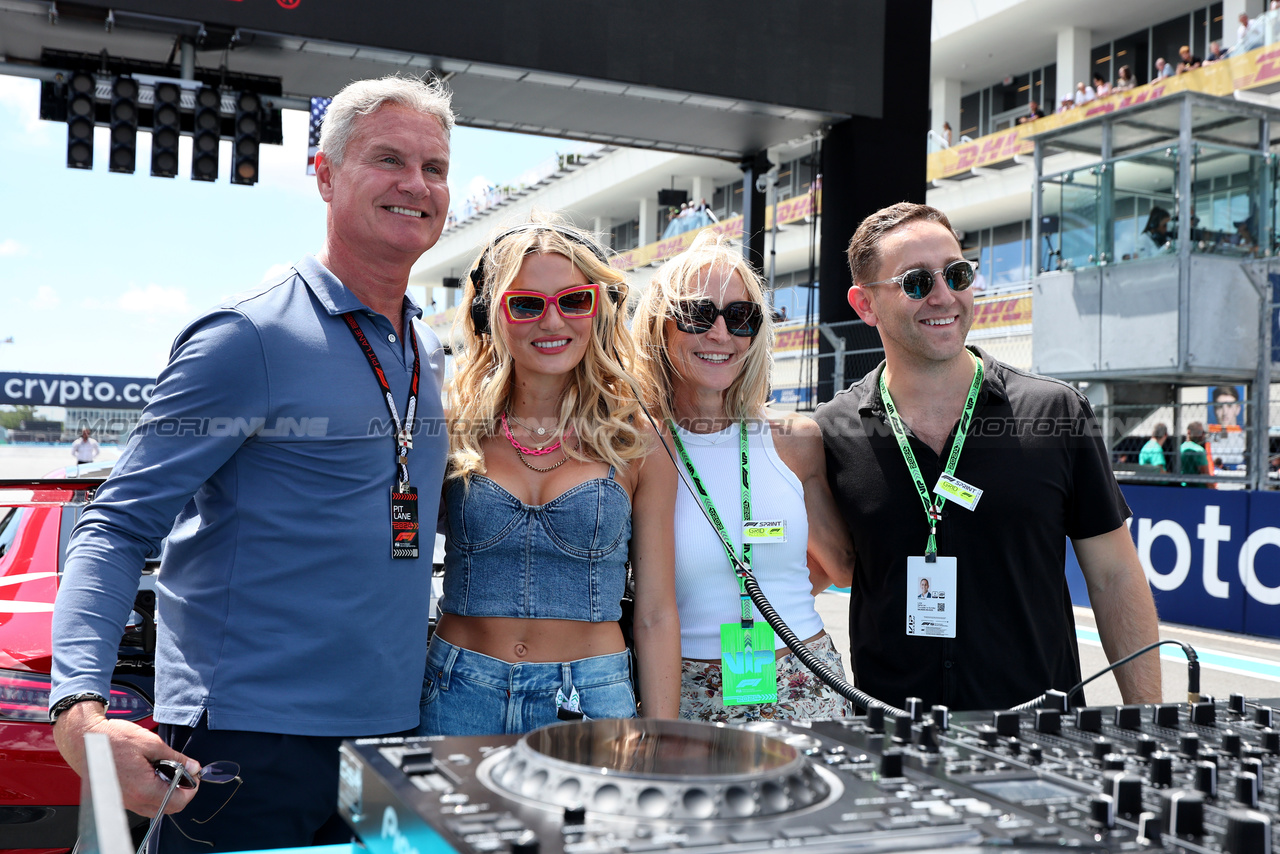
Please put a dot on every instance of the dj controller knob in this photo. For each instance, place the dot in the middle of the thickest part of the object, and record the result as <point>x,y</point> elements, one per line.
<point>1235,704</point>
<point>1207,779</point>
<point>875,718</point>
<point>1101,747</point>
<point>1048,721</point>
<point>1165,715</point>
<point>1126,791</point>
<point>1089,720</point>
<point>988,735</point>
<point>941,717</point>
<point>1145,746</point>
<point>902,729</point>
<point>1252,766</point>
<point>928,738</point>
<point>1055,699</point>
<point>1271,741</point>
<point>1035,753</point>
<point>575,816</point>
<point>1113,762</point>
<point>1102,811</point>
<point>1162,770</point>
<point>1189,744</point>
<point>1247,789</point>
<point>419,760</point>
<point>1231,743</point>
<point>891,763</point>
<point>1204,714</point>
<point>1248,832</point>
<point>1007,723</point>
<point>1182,812</point>
<point>1149,829</point>
<point>915,708</point>
<point>1129,717</point>
<point>1263,716</point>
<point>526,843</point>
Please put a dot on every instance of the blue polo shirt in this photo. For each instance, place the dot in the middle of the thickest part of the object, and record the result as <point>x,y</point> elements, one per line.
<point>269,441</point>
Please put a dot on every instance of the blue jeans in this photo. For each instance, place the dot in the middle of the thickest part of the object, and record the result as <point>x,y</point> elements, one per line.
<point>466,693</point>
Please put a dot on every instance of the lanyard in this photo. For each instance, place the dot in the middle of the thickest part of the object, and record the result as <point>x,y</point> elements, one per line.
<point>932,503</point>
<point>404,431</point>
<point>744,599</point>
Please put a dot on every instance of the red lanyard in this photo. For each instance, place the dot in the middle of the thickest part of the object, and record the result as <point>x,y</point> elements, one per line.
<point>404,430</point>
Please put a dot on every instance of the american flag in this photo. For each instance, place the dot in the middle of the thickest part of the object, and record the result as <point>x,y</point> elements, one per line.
<point>319,106</point>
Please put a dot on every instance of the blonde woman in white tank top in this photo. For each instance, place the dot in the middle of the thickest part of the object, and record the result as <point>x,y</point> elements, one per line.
<point>705,336</point>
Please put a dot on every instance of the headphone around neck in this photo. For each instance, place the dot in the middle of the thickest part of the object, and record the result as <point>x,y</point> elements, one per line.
<point>480,302</point>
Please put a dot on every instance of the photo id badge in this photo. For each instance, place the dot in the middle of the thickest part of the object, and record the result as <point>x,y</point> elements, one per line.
<point>931,597</point>
<point>756,531</point>
<point>404,523</point>
<point>748,669</point>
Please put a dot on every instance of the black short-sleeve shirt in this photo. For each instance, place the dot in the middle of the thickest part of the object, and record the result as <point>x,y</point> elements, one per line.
<point>1036,451</point>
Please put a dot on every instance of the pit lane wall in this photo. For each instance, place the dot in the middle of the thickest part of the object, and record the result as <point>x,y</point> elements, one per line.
<point>1212,557</point>
<point>1258,69</point>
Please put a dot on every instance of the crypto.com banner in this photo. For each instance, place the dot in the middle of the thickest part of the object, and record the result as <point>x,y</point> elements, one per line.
<point>75,390</point>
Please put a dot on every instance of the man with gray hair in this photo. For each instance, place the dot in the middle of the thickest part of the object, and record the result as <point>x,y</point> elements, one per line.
<point>291,435</point>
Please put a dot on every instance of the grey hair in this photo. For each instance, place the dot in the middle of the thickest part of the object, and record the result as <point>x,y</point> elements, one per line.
<point>363,97</point>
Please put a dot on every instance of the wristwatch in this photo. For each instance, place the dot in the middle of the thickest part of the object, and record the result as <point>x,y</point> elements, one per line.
<point>67,702</point>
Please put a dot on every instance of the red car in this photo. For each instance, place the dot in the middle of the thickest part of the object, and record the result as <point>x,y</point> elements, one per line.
<point>39,793</point>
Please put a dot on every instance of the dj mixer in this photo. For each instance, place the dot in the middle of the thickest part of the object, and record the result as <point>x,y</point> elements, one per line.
<point>1201,777</point>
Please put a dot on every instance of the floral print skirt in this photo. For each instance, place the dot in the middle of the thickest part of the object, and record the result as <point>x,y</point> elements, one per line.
<point>800,693</point>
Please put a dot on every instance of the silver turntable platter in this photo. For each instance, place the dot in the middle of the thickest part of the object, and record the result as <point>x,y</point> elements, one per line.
<point>659,769</point>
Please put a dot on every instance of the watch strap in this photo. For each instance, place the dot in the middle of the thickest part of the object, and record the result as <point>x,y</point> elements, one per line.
<point>67,702</point>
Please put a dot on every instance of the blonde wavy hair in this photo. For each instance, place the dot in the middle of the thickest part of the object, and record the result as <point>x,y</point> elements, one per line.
<point>598,399</point>
<point>682,278</point>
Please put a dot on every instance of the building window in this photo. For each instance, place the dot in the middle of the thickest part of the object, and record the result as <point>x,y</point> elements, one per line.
<point>625,235</point>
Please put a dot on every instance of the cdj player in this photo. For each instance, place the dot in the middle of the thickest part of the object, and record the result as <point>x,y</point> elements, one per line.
<point>1195,778</point>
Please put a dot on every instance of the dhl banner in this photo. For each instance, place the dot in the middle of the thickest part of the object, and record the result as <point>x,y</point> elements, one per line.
<point>792,210</point>
<point>1259,67</point>
<point>795,340</point>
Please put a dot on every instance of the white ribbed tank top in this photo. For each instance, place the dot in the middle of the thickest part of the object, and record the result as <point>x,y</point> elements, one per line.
<point>706,586</point>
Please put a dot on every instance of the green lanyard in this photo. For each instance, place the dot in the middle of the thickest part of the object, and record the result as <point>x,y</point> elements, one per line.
<point>744,599</point>
<point>932,503</point>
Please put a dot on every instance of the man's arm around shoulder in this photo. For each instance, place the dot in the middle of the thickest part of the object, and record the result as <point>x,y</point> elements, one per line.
<point>1124,609</point>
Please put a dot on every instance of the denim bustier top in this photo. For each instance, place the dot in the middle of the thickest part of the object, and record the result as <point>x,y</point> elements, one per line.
<point>563,560</point>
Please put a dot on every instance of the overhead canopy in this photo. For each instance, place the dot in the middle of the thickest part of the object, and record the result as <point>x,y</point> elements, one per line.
<point>687,77</point>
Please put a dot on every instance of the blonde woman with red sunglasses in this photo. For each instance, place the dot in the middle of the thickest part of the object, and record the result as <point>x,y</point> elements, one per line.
<point>552,488</point>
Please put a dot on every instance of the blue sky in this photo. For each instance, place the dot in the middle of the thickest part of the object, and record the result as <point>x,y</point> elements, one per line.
<point>99,271</point>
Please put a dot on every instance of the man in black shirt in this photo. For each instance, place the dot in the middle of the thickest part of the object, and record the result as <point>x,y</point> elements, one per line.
<point>1029,471</point>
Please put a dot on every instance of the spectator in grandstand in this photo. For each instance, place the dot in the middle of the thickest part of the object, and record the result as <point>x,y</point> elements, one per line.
<point>1155,238</point>
<point>1187,61</point>
<point>1124,79</point>
<point>1100,85</point>
<point>946,133</point>
<point>1068,103</point>
<point>1033,112</point>
<point>1084,94</point>
<point>1152,453</point>
<point>1216,53</point>
<point>1193,458</point>
<point>1163,69</point>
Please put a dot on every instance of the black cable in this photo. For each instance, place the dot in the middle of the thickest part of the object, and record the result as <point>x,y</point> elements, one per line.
<point>807,657</point>
<point>1193,674</point>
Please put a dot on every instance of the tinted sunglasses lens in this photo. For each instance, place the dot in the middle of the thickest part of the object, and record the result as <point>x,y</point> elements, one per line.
<point>959,275</point>
<point>696,317</point>
<point>167,769</point>
<point>742,318</point>
<point>577,303</point>
<point>220,772</point>
<point>916,284</point>
<point>524,307</point>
